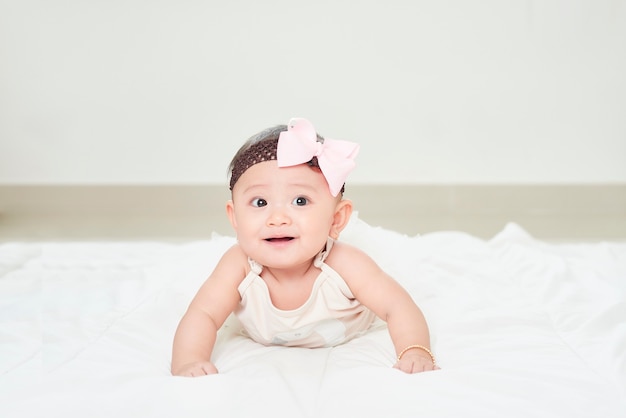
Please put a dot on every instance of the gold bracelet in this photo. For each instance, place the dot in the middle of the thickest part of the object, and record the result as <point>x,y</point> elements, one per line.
<point>421,347</point>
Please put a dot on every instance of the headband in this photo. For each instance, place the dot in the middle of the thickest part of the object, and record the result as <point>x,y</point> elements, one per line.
<point>299,145</point>
<point>264,150</point>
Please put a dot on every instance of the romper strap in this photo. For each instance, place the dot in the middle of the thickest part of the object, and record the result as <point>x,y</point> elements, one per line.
<point>321,257</point>
<point>255,267</point>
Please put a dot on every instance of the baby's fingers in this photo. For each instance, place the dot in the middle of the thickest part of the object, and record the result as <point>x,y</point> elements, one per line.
<point>410,366</point>
<point>198,369</point>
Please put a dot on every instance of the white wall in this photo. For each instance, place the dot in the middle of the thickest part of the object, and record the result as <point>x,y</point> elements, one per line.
<point>148,91</point>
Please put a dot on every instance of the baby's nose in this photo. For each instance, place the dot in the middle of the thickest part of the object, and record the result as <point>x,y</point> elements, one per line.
<point>278,216</point>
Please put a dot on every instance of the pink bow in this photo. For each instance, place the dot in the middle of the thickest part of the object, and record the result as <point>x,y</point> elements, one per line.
<point>298,145</point>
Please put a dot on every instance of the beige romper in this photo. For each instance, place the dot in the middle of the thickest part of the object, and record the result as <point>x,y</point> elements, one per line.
<point>330,316</point>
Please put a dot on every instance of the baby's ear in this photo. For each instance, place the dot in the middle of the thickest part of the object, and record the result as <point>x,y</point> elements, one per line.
<point>343,211</point>
<point>230,212</point>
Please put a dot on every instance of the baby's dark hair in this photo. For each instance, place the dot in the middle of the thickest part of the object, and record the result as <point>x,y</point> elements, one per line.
<point>258,148</point>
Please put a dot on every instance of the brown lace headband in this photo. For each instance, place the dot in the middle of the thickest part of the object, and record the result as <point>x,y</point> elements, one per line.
<point>298,143</point>
<point>256,153</point>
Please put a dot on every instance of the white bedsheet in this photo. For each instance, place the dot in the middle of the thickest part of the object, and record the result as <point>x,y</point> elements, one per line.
<point>520,328</point>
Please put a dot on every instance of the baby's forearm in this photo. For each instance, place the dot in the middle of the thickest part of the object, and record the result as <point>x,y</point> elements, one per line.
<point>194,340</point>
<point>411,340</point>
<point>407,326</point>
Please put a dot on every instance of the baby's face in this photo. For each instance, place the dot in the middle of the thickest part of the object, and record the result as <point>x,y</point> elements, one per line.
<point>282,216</point>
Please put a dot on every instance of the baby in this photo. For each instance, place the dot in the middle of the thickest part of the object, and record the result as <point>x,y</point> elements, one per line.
<point>287,279</point>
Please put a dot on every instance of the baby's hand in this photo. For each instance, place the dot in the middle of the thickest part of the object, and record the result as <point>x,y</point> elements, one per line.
<point>195,369</point>
<point>415,363</point>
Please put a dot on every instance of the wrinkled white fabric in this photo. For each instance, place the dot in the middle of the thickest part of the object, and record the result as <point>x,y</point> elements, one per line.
<point>520,328</point>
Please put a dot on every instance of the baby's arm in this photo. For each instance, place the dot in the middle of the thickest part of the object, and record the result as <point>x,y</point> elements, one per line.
<point>196,333</point>
<point>390,302</point>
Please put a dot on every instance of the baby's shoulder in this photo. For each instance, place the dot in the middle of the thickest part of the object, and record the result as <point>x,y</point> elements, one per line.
<point>234,260</point>
<point>235,252</point>
<point>343,255</point>
<point>354,265</point>
<point>344,249</point>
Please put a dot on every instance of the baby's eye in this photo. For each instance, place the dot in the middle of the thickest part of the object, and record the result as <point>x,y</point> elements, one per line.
<point>300,201</point>
<point>259,202</point>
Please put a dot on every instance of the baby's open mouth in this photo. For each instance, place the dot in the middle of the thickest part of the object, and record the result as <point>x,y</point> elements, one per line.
<point>279,239</point>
